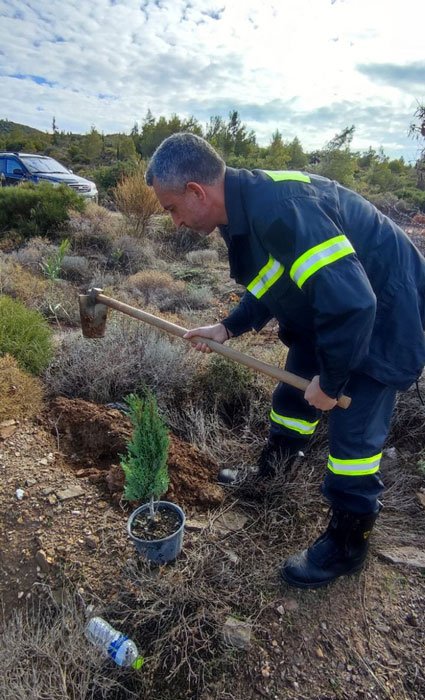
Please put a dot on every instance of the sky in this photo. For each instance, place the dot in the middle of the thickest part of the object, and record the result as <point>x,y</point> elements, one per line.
<point>309,68</point>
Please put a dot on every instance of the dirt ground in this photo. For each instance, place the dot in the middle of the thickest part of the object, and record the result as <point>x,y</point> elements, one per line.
<point>361,638</point>
<point>63,526</point>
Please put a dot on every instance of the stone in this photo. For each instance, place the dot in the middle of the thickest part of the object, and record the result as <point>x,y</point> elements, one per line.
<point>195,524</point>
<point>70,492</point>
<point>237,633</point>
<point>231,521</point>
<point>410,556</point>
<point>391,453</point>
<point>421,498</point>
<point>43,561</point>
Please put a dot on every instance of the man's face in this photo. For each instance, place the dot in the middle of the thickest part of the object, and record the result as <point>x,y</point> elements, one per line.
<point>189,208</point>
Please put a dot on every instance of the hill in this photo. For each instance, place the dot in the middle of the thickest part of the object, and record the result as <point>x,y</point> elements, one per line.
<point>8,127</point>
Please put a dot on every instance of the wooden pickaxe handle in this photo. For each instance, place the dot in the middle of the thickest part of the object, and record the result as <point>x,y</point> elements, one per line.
<point>276,372</point>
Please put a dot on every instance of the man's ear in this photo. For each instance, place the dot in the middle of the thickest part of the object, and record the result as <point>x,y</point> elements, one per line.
<point>196,189</point>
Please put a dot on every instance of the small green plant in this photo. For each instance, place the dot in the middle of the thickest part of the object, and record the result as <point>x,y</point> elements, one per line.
<point>25,335</point>
<point>52,266</point>
<point>145,464</point>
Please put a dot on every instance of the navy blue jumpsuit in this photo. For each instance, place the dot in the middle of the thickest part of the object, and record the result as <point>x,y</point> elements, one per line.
<point>347,287</point>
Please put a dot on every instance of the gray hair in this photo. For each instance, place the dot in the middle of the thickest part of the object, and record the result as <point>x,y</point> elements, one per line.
<point>184,158</point>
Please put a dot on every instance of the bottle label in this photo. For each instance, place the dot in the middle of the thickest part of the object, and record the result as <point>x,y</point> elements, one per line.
<point>115,646</point>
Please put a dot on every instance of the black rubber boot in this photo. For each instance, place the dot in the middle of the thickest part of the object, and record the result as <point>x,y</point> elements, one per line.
<point>278,455</point>
<point>340,551</point>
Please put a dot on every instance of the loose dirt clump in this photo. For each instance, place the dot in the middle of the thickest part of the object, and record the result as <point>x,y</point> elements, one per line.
<point>97,436</point>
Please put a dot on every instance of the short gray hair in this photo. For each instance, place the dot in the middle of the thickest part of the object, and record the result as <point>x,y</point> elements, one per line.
<point>184,158</point>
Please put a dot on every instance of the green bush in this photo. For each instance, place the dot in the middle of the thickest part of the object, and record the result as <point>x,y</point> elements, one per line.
<point>25,335</point>
<point>145,465</point>
<point>36,210</point>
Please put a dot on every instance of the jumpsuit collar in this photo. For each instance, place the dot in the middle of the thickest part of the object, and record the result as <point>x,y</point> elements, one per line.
<point>237,221</point>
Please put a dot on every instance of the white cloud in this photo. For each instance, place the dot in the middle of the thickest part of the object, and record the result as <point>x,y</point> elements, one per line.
<point>309,68</point>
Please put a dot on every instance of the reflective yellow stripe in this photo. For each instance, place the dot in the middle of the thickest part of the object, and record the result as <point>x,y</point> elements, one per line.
<point>279,175</point>
<point>323,254</point>
<point>354,467</point>
<point>268,275</point>
<point>300,426</point>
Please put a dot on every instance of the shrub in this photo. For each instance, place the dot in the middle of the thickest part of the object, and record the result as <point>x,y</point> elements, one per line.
<point>19,283</point>
<point>25,335</point>
<point>35,210</point>
<point>158,288</point>
<point>130,357</point>
<point>21,394</point>
<point>136,200</point>
<point>51,266</point>
<point>129,254</point>
<point>93,230</point>
<point>145,465</point>
<point>202,257</point>
<point>33,253</point>
<point>172,243</point>
<point>228,389</point>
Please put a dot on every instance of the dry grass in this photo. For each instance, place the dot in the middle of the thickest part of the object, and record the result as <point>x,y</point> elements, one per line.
<point>93,231</point>
<point>22,394</point>
<point>45,656</point>
<point>20,283</point>
<point>158,288</point>
<point>35,252</point>
<point>202,257</point>
<point>136,201</point>
<point>131,356</point>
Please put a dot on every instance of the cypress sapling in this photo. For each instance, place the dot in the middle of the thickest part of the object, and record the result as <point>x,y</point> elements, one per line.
<point>145,464</point>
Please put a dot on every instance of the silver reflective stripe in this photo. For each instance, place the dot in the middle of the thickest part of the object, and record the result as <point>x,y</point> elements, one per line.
<point>268,275</point>
<point>355,467</point>
<point>317,257</point>
<point>300,426</point>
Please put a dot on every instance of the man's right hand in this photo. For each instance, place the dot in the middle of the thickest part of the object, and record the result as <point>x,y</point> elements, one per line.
<point>216,332</point>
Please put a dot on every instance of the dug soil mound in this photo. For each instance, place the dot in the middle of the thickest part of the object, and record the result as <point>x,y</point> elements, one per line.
<point>94,437</point>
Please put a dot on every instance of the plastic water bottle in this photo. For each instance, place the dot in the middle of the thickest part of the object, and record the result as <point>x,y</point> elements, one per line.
<point>116,645</point>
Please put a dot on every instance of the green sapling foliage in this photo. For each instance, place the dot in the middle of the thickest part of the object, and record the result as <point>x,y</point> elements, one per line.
<point>145,464</point>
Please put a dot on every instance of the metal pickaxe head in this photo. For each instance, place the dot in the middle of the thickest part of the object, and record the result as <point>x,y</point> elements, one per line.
<point>92,314</point>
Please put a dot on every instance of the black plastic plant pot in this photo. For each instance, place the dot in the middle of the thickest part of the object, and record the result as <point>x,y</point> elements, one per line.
<point>165,549</point>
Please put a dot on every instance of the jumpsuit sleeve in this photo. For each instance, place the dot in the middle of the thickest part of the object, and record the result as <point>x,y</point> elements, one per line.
<point>322,262</point>
<point>250,314</point>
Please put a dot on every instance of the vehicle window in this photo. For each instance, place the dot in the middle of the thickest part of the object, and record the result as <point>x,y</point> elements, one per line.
<point>11,164</point>
<point>43,165</point>
<point>2,165</point>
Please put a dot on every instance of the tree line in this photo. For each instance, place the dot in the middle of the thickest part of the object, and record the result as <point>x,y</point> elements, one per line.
<point>107,158</point>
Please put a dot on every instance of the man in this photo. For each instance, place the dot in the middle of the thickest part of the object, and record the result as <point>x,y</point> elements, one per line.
<point>348,290</point>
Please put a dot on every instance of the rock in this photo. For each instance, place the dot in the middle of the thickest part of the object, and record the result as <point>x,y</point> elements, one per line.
<point>421,498</point>
<point>43,561</point>
<point>7,428</point>
<point>410,556</point>
<point>412,619</point>
<point>391,453</point>
<point>70,492</point>
<point>196,524</point>
<point>92,542</point>
<point>52,499</point>
<point>237,633</point>
<point>231,521</point>
<point>19,493</point>
<point>319,652</point>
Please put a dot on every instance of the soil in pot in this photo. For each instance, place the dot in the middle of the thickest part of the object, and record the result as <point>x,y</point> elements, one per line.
<point>163,524</point>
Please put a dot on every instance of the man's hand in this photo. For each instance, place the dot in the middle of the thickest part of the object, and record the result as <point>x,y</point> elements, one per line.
<point>217,332</point>
<point>317,398</point>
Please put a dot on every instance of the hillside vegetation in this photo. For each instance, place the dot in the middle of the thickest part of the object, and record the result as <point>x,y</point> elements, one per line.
<point>392,184</point>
